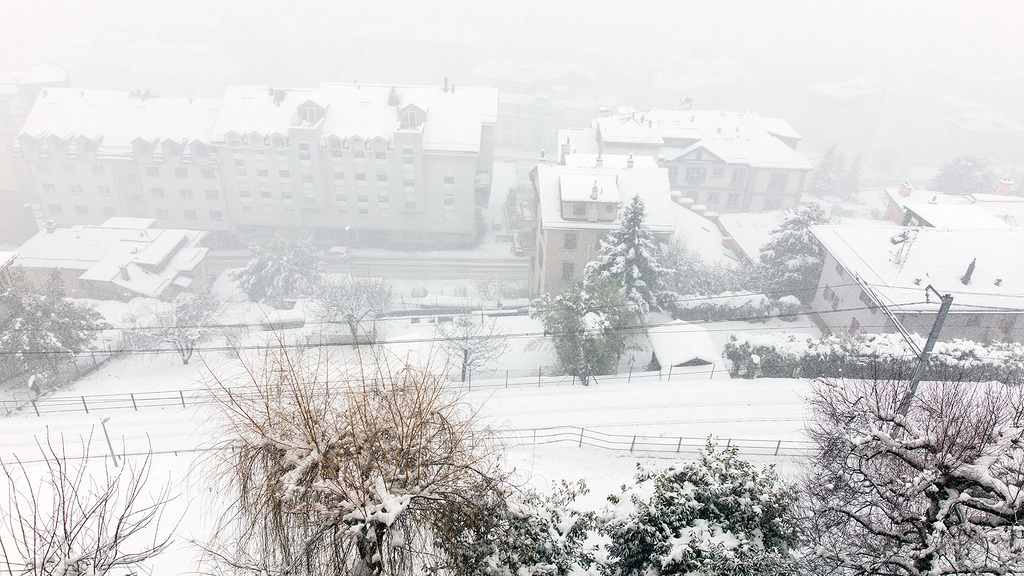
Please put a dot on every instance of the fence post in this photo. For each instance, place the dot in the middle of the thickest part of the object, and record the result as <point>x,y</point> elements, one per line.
<point>669,372</point>
<point>506,379</point>
<point>84,405</point>
<point>629,379</point>
<point>573,379</point>
<point>728,444</point>
<point>182,394</point>
<point>631,444</point>
<point>679,446</point>
<point>34,407</point>
<point>659,374</point>
<point>538,376</point>
<point>712,372</point>
<point>777,446</point>
<point>581,438</point>
<point>134,405</point>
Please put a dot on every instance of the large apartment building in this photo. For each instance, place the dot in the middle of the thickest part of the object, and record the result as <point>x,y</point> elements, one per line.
<point>343,162</point>
<point>726,161</point>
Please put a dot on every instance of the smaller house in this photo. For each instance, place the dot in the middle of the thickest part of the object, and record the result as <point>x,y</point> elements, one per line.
<point>122,258</point>
<point>680,345</point>
<point>1009,209</point>
<point>869,269</point>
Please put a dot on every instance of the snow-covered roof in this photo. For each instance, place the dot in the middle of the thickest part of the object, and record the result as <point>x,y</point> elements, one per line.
<point>44,74</point>
<point>751,232</point>
<point>679,343</point>
<point>6,258</point>
<point>957,217</point>
<point>453,118</point>
<point>582,187</point>
<point>152,258</point>
<point>650,183</point>
<point>117,118</point>
<point>700,236</point>
<point>735,137</point>
<point>1009,209</point>
<point>1006,209</point>
<point>580,140</point>
<point>922,196</point>
<point>900,272</point>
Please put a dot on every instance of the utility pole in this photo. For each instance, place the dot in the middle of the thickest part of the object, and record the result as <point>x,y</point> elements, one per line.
<point>922,358</point>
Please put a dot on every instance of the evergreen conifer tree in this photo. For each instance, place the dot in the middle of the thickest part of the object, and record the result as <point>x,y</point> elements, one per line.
<point>826,176</point>
<point>629,258</point>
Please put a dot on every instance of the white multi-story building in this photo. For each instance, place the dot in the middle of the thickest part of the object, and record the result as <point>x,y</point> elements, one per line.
<point>344,162</point>
<point>725,161</point>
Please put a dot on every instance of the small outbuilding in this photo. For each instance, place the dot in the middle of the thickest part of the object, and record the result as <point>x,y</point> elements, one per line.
<point>681,344</point>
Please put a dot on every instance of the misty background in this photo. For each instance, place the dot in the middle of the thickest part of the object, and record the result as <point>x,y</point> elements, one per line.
<point>903,84</point>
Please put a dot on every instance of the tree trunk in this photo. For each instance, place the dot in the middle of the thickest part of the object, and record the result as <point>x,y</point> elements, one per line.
<point>371,557</point>
<point>465,363</point>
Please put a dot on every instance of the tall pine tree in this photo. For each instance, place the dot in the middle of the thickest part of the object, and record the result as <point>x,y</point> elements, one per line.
<point>825,179</point>
<point>629,259</point>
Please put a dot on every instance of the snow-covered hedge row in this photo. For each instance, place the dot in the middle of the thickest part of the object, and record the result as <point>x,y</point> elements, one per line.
<point>870,355</point>
<point>747,306</point>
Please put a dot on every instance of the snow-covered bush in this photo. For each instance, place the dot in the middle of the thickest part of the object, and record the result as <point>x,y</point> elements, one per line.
<point>279,270</point>
<point>746,306</point>
<point>870,355</point>
<point>717,516</point>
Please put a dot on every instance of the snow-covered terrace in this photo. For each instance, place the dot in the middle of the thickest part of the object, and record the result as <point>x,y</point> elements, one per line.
<point>934,256</point>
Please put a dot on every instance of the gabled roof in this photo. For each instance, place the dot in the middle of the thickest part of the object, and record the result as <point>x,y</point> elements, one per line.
<point>681,343</point>
<point>900,271</point>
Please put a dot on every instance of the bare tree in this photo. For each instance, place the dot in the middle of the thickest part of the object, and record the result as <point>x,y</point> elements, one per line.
<point>472,343</point>
<point>353,301</point>
<point>188,322</point>
<point>73,522</point>
<point>937,491</point>
<point>374,467</point>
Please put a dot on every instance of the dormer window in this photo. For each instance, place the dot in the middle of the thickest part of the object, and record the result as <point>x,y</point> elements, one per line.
<point>311,112</point>
<point>412,117</point>
<point>233,139</point>
<point>278,141</point>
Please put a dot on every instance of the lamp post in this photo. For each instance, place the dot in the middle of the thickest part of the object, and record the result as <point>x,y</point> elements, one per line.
<point>103,423</point>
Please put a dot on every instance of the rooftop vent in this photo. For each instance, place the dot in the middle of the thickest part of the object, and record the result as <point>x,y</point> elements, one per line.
<point>966,278</point>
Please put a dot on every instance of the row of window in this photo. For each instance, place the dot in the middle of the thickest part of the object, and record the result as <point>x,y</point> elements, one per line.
<point>108,211</point>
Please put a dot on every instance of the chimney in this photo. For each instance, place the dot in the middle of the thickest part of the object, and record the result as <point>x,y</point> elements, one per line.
<point>565,150</point>
<point>966,278</point>
<point>542,160</point>
<point>600,161</point>
<point>1004,186</point>
<point>446,84</point>
<point>629,161</point>
<point>906,188</point>
<point>49,226</point>
<point>124,272</point>
<point>661,161</point>
<point>594,191</point>
<point>393,98</point>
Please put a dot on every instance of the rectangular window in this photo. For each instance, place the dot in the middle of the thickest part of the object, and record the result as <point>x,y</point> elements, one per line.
<point>284,174</point>
<point>777,181</point>
<point>81,210</point>
<point>181,172</point>
<point>265,194</point>
<point>103,190</point>
<point>772,203</point>
<point>109,211</point>
<point>304,156</point>
<point>208,174</point>
<point>739,176</point>
<point>579,209</point>
<point>449,177</point>
<point>240,172</point>
<point>839,269</point>
<point>380,155</point>
<point>244,194</point>
<point>240,163</point>
<point>340,198</point>
<point>407,157</point>
<point>360,176</point>
<point>337,153</point>
<point>212,195</point>
<point>162,213</point>
<point>362,197</point>
<point>304,146</point>
<point>854,326</point>
<point>718,173</point>
<point>383,199</point>
<point>190,215</point>
<point>97,169</point>
<point>262,173</point>
<point>734,200</point>
<point>339,176</point>
<point>382,177</point>
<point>567,270</point>
<point>43,167</point>
<point>55,209</point>
<point>358,154</point>
<point>449,199</point>
<point>69,168</point>
<point>216,216</point>
<point>153,171</point>
<point>410,204</point>
<point>49,188</point>
<point>695,174</point>
<point>185,193</point>
<point>866,299</point>
<point>409,183</point>
<point>130,178</point>
<point>75,189</point>
<point>570,240</point>
<point>713,197</point>
<point>827,293</point>
<point>307,178</point>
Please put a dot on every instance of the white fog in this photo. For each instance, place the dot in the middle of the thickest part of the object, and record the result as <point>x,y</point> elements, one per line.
<point>533,288</point>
